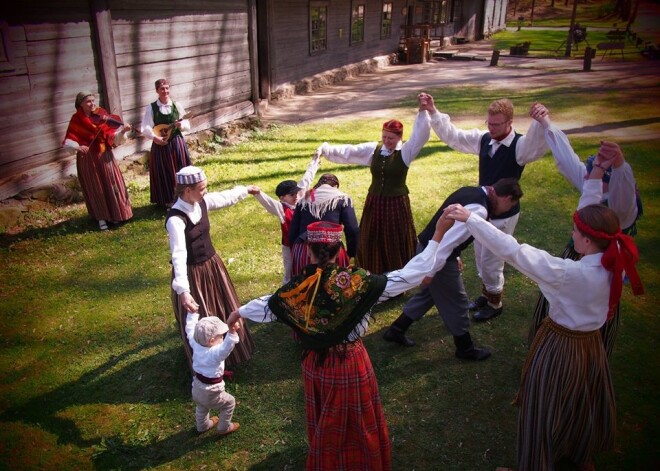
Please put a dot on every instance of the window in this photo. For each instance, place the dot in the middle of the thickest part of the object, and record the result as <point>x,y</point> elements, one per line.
<point>386,21</point>
<point>357,23</point>
<point>456,10</point>
<point>318,27</point>
<point>434,12</point>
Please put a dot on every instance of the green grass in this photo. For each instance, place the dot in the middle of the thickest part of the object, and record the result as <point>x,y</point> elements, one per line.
<point>92,374</point>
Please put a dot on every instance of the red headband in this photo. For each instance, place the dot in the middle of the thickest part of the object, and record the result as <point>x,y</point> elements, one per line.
<point>621,255</point>
<point>324,231</point>
<point>393,126</point>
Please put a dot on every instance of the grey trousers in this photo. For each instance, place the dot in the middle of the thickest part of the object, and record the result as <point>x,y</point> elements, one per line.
<point>212,396</point>
<point>447,293</point>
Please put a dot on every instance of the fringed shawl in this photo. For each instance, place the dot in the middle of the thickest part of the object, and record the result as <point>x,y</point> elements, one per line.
<point>325,198</point>
<point>324,305</point>
<point>84,132</point>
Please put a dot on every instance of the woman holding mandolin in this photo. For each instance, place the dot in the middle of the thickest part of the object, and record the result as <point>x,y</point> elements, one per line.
<point>92,132</point>
<point>164,121</point>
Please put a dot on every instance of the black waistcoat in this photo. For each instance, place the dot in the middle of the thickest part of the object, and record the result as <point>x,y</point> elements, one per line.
<point>198,236</point>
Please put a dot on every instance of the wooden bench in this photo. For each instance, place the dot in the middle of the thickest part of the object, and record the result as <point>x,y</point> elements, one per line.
<point>608,47</point>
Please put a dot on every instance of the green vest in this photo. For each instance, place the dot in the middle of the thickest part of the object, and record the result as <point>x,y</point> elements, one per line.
<point>388,174</point>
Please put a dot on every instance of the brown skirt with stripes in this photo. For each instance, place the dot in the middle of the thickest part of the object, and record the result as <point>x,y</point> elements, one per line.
<point>213,290</point>
<point>388,239</point>
<point>609,330</point>
<point>346,427</point>
<point>164,162</point>
<point>566,400</point>
<point>103,187</point>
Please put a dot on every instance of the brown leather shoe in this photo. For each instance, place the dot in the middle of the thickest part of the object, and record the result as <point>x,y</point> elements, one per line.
<point>215,421</point>
<point>233,426</point>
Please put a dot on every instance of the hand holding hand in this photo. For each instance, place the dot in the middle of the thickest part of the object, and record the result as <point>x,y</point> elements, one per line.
<point>253,190</point>
<point>442,226</point>
<point>540,113</point>
<point>322,150</point>
<point>189,303</point>
<point>233,318</point>
<point>457,212</point>
<point>235,326</point>
<point>610,154</point>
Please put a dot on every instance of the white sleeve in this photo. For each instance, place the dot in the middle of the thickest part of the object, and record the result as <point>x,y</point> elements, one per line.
<point>567,161</point>
<point>271,205</point>
<point>412,274</point>
<point>454,237</point>
<point>257,310</point>
<point>419,136</point>
<point>537,264</point>
<point>176,232</point>
<point>147,125</point>
<point>191,321</point>
<point>71,144</point>
<point>592,192</point>
<point>622,195</point>
<point>305,182</point>
<point>468,142</point>
<point>223,199</point>
<point>531,146</point>
<point>185,123</point>
<point>360,154</point>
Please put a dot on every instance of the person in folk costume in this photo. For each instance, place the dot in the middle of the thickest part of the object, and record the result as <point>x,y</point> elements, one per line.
<point>502,153</point>
<point>168,155</point>
<point>324,202</point>
<point>566,404</point>
<point>620,193</point>
<point>444,287</point>
<point>387,229</point>
<point>289,193</point>
<point>329,308</point>
<point>101,181</point>
<point>200,281</point>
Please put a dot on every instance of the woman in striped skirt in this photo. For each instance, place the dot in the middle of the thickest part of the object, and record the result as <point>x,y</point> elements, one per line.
<point>324,202</point>
<point>566,401</point>
<point>329,309</point>
<point>200,281</point>
<point>100,179</point>
<point>620,193</point>
<point>388,238</point>
<point>169,151</point>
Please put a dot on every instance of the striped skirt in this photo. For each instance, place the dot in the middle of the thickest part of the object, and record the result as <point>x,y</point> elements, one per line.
<point>346,427</point>
<point>164,162</point>
<point>300,257</point>
<point>566,401</point>
<point>387,234</point>
<point>213,290</point>
<point>103,187</point>
<point>609,330</point>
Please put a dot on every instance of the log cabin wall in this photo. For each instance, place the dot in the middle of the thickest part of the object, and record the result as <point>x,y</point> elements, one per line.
<point>289,38</point>
<point>115,49</point>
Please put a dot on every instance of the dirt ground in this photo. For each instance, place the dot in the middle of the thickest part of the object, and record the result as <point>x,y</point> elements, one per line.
<point>372,95</point>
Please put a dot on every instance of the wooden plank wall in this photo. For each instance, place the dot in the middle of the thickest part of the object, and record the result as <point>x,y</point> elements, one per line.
<point>200,45</point>
<point>289,38</point>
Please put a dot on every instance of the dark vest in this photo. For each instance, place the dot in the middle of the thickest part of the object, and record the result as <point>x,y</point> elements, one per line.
<point>501,165</point>
<point>464,196</point>
<point>160,118</point>
<point>198,236</point>
<point>388,174</point>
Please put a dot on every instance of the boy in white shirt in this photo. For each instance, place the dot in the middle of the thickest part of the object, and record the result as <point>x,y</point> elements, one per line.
<point>210,350</point>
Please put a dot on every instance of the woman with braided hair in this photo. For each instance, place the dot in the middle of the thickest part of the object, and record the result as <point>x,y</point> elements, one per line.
<point>329,309</point>
<point>566,399</point>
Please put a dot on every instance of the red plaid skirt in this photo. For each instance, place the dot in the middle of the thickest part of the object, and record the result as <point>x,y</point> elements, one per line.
<point>346,426</point>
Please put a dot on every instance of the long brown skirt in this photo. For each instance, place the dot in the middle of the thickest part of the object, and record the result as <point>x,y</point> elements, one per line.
<point>103,187</point>
<point>388,239</point>
<point>566,399</point>
<point>213,290</point>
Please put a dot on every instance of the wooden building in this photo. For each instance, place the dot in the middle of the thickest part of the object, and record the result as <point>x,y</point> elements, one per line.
<point>223,58</point>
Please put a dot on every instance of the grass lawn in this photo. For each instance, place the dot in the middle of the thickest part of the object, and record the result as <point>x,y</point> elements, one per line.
<point>93,375</point>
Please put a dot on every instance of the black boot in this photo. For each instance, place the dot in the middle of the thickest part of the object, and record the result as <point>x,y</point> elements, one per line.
<point>397,331</point>
<point>467,350</point>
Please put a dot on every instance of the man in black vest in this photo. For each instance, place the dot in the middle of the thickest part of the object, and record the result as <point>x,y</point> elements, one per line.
<point>502,153</point>
<point>444,286</point>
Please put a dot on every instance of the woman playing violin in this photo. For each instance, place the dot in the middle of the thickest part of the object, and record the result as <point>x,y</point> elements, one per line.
<point>169,152</point>
<point>92,135</point>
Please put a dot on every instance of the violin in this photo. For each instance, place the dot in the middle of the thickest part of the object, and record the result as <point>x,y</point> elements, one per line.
<point>101,116</point>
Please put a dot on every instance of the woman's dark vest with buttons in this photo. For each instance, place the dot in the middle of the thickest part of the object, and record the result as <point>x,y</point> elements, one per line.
<point>198,236</point>
<point>388,174</point>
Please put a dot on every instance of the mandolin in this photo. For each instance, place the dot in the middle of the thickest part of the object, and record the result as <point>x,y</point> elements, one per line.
<point>164,131</point>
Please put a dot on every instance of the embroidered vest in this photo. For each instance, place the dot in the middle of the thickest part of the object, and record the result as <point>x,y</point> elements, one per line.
<point>198,236</point>
<point>501,165</point>
<point>388,174</point>
<point>160,118</point>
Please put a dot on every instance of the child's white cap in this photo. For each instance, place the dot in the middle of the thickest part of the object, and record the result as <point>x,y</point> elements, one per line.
<point>207,328</point>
